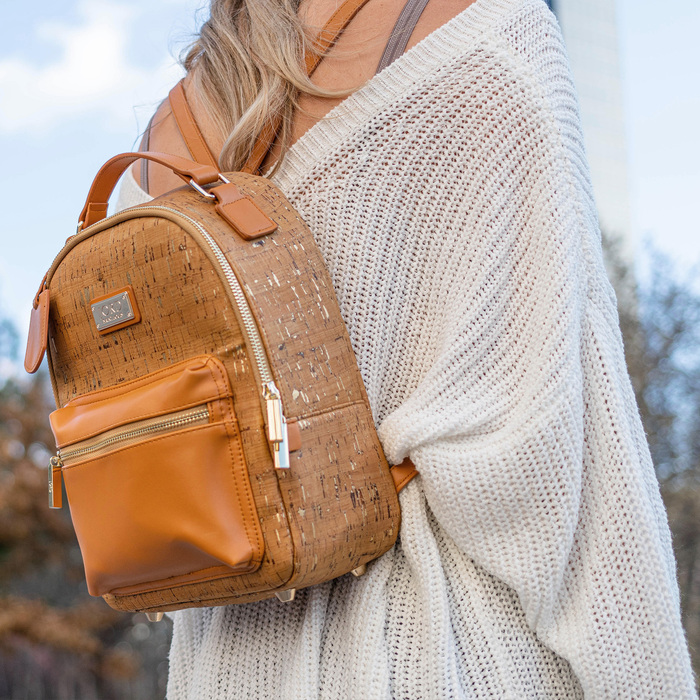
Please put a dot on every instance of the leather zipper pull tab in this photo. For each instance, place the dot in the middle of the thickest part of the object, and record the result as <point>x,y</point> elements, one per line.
<point>55,491</point>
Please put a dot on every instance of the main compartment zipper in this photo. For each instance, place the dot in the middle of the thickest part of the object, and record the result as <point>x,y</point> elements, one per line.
<point>273,412</point>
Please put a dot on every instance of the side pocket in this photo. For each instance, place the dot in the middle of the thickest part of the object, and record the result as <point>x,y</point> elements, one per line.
<point>157,481</point>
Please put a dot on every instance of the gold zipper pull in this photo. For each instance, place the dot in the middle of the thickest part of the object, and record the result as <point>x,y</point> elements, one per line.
<point>274,420</point>
<point>276,426</point>
<point>55,492</point>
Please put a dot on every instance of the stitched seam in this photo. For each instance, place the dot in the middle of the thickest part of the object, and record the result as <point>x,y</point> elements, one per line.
<point>341,407</point>
<point>222,571</point>
<point>405,480</point>
<point>252,512</point>
<point>212,570</point>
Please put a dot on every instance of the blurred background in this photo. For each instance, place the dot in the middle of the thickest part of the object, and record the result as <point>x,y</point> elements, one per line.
<point>78,82</point>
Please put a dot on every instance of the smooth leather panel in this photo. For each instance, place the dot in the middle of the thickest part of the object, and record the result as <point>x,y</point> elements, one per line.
<point>403,473</point>
<point>241,212</point>
<point>166,507</point>
<point>38,333</point>
<point>189,383</point>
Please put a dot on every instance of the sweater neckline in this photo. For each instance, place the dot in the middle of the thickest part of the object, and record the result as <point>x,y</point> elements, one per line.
<point>414,65</point>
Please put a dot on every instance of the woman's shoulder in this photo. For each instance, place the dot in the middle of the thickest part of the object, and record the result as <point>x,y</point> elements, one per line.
<point>351,62</point>
<point>354,58</point>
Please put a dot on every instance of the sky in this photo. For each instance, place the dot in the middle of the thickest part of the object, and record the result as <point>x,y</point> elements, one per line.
<point>80,78</point>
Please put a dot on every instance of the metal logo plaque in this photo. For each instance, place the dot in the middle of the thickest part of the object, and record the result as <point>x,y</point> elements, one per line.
<point>115,310</point>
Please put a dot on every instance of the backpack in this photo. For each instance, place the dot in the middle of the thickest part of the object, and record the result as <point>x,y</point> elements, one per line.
<point>214,434</point>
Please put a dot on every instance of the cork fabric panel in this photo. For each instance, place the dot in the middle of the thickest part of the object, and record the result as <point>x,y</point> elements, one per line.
<point>346,511</point>
<point>290,291</point>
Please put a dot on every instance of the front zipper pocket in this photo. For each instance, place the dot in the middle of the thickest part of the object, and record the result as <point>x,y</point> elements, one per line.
<point>132,433</point>
<point>157,482</point>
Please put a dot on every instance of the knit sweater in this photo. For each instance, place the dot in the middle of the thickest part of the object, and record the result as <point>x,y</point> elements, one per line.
<point>451,199</point>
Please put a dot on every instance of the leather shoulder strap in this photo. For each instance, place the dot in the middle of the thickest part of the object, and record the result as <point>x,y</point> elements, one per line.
<point>331,31</point>
<point>191,133</point>
<point>144,147</point>
<point>324,41</point>
<point>401,32</point>
<point>194,139</point>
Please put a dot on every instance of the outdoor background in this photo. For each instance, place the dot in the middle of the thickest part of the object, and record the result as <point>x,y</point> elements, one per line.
<point>78,81</point>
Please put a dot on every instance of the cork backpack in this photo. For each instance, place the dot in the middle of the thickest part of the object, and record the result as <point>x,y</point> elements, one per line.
<point>214,434</point>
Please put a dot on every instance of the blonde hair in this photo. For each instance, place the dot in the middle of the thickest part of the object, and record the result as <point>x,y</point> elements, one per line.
<point>247,68</point>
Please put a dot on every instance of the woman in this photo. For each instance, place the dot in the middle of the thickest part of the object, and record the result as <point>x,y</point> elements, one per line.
<point>451,200</point>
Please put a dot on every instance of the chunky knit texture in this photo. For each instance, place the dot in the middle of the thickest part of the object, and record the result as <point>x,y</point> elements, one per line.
<point>452,202</point>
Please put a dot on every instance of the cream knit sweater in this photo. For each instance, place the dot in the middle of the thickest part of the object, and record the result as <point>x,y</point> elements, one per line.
<point>451,199</point>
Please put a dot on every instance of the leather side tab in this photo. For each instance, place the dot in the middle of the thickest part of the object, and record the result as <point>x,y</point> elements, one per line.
<point>241,212</point>
<point>403,473</point>
<point>38,333</point>
<point>96,211</point>
<point>293,435</point>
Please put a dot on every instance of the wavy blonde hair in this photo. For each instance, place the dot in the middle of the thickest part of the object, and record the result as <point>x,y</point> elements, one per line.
<point>247,68</point>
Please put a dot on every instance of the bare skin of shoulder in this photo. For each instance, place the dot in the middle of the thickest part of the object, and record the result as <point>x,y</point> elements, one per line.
<point>349,64</point>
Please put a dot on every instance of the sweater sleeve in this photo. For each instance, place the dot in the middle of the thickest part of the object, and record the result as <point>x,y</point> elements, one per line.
<point>524,426</point>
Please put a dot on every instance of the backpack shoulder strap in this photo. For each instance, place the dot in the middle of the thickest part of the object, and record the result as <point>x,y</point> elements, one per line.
<point>401,32</point>
<point>194,139</point>
<point>144,147</point>
<point>324,41</point>
<point>191,133</point>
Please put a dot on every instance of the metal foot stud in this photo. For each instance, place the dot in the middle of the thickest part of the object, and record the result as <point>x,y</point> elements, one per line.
<point>286,596</point>
<point>154,617</point>
<point>361,570</point>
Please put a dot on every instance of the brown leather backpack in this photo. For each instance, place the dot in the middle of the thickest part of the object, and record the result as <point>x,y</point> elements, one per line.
<point>214,434</point>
